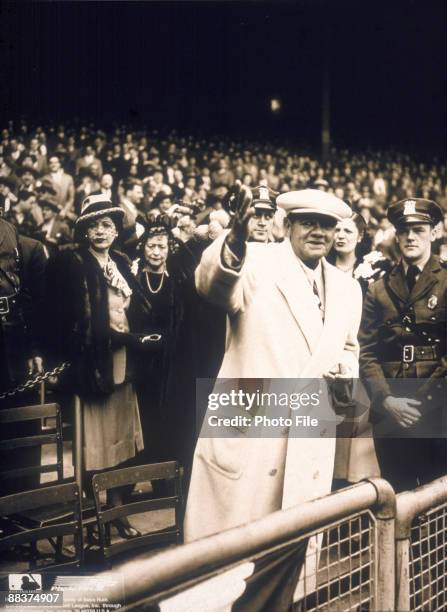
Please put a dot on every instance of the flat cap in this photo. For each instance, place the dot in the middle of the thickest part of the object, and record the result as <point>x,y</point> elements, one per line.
<point>315,202</point>
<point>414,210</point>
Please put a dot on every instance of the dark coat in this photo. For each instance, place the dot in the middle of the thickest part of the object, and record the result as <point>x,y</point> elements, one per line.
<point>60,234</point>
<point>78,318</point>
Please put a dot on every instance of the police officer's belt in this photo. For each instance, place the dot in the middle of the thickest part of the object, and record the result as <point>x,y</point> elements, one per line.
<point>410,353</point>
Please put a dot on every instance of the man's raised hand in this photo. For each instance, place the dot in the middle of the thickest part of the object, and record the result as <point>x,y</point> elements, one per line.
<point>240,200</point>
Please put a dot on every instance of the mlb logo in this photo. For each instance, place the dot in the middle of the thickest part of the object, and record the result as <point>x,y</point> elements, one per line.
<point>25,582</point>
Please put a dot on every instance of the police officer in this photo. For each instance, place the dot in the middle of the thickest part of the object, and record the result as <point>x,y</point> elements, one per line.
<point>261,223</point>
<point>22,264</point>
<point>403,358</point>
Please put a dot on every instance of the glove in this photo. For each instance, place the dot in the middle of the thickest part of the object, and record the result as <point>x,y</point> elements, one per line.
<point>140,343</point>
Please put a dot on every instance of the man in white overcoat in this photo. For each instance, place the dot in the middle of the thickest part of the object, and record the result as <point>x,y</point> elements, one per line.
<point>291,315</point>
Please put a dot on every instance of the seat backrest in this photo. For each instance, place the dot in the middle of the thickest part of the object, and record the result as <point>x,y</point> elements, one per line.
<point>60,495</point>
<point>12,438</point>
<point>169,471</point>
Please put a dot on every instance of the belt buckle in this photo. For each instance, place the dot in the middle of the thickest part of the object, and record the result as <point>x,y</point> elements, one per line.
<point>408,353</point>
<point>4,305</point>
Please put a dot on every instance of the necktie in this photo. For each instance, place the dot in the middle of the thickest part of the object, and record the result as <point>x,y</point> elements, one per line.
<point>412,272</point>
<point>317,295</point>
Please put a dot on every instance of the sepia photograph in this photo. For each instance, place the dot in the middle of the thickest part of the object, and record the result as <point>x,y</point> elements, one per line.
<point>223,306</point>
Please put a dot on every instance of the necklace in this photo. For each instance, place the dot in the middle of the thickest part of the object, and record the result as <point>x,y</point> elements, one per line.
<point>149,283</point>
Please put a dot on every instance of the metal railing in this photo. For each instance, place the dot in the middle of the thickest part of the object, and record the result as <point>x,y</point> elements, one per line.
<point>365,549</point>
<point>421,548</point>
<point>349,542</point>
<point>343,574</point>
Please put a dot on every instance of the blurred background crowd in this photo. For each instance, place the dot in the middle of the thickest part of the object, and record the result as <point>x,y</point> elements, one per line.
<point>47,171</point>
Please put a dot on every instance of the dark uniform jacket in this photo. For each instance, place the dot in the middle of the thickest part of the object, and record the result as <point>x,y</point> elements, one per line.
<point>403,336</point>
<point>22,267</point>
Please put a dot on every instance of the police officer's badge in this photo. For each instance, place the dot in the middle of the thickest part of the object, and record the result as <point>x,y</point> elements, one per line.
<point>432,302</point>
<point>410,207</point>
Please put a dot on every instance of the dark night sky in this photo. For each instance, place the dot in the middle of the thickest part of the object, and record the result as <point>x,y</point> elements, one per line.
<point>214,66</point>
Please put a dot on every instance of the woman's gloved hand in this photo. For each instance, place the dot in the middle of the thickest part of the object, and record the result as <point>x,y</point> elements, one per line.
<point>144,343</point>
<point>149,343</point>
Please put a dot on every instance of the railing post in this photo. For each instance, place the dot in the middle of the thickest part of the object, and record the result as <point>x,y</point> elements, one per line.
<point>385,512</point>
<point>403,575</point>
<point>409,505</point>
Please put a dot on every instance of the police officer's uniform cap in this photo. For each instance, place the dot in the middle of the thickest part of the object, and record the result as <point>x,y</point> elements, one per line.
<point>414,210</point>
<point>263,199</point>
<point>313,202</point>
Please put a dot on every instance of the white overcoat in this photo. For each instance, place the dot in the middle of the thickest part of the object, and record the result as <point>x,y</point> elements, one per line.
<point>274,331</point>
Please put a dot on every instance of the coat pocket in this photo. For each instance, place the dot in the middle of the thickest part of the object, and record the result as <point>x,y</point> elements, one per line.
<point>226,456</point>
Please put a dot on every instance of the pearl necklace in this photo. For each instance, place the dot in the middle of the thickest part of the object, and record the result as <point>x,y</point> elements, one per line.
<point>159,286</point>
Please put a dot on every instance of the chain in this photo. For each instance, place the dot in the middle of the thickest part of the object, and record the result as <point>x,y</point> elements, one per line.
<point>35,381</point>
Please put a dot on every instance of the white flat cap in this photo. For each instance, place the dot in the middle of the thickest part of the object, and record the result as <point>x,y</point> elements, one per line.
<point>313,201</point>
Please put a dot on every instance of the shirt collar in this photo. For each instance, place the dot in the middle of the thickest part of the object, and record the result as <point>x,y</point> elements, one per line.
<point>420,265</point>
<point>312,274</point>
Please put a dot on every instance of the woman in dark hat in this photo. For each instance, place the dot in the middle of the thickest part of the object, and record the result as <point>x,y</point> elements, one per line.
<point>164,291</point>
<point>97,314</point>
<point>167,385</point>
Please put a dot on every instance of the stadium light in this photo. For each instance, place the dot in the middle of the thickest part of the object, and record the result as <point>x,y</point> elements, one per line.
<point>275,105</point>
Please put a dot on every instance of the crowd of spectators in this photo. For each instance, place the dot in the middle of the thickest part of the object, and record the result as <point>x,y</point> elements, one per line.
<point>45,174</point>
<point>183,183</point>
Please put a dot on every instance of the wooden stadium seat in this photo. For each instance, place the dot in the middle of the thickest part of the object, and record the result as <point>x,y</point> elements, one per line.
<point>169,472</point>
<point>53,514</point>
<point>13,533</point>
<point>23,414</point>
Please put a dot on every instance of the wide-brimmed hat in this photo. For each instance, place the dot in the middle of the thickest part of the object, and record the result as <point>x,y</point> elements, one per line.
<point>95,206</point>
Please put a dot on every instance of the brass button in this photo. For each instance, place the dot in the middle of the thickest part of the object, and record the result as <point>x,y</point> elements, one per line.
<point>406,366</point>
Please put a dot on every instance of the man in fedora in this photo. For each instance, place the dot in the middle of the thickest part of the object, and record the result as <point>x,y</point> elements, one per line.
<point>287,319</point>
<point>403,351</point>
<point>53,231</point>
